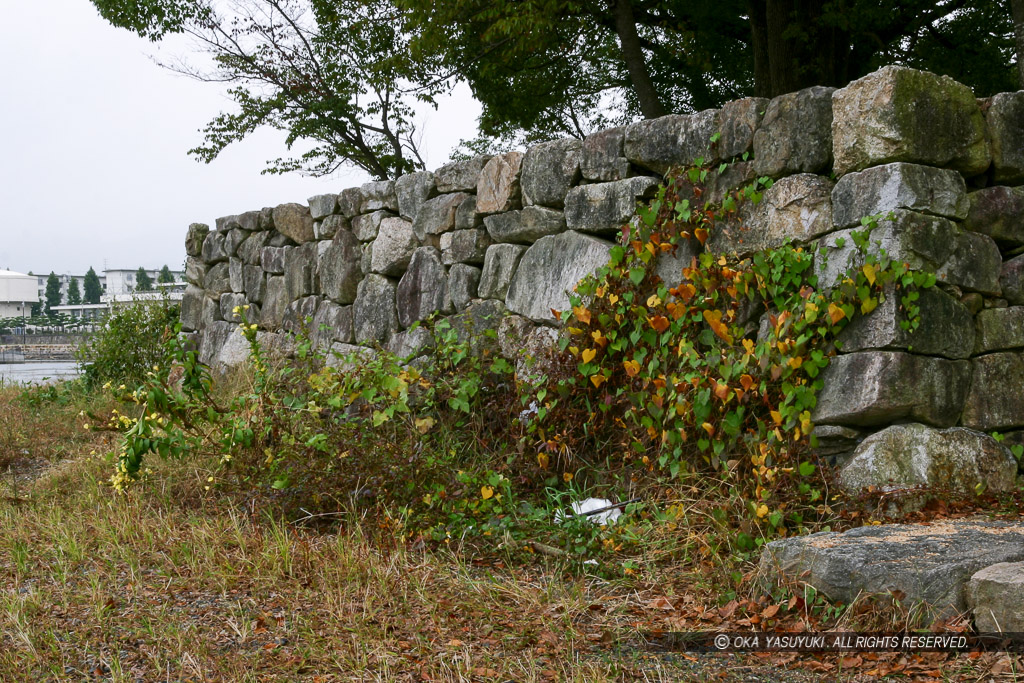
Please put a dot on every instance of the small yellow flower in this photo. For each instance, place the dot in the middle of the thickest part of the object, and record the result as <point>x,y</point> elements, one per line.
<point>209,479</point>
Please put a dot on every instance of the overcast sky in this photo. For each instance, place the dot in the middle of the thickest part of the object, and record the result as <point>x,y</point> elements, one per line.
<point>93,163</point>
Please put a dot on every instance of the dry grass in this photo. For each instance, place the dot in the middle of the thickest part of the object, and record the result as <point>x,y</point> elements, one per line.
<point>161,585</point>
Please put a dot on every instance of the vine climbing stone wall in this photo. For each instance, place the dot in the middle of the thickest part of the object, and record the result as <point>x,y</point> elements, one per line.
<point>500,240</point>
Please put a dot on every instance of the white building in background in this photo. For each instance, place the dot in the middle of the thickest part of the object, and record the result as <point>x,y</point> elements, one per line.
<point>113,281</point>
<point>17,294</point>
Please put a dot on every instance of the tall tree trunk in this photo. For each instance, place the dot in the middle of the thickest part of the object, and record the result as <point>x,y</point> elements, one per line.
<point>636,65</point>
<point>759,43</point>
<point>1017,9</point>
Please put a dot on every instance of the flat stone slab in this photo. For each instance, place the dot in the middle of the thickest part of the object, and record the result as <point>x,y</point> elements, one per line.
<point>928,563</point>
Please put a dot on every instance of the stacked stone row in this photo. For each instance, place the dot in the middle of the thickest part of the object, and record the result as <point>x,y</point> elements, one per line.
<point>513,233</point>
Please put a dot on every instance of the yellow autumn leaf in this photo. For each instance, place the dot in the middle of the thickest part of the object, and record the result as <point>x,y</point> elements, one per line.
<point>582,314</point>
<point>869,272</point>
<point>835,313</point>
<point>588,355</point>
<point>424,424</point>
<point>486,492</point>
<point>762,510</point>
<point>598,380</point>
<point>653,300</point>
<point>613,299</point>
<point>805,421</point>
<point>796,361</point>
<point>567,477</point>
<point>777,416</point>
<point>868,305</point>
<point>543,460</point>
<point>632,367</point>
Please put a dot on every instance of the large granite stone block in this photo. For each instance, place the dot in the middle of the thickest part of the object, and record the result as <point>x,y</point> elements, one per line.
<point>676,140</point>
<point>423,290</point>
<point>1005,119</point>
<point>794,136</point>
<point>996,396</point>
<point>899,185</point>
<point>902,114</point>
<point>549,170</point>
<point>603,208</point>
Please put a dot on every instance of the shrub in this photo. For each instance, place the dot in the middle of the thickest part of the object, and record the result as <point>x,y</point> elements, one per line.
<point>131,343</point>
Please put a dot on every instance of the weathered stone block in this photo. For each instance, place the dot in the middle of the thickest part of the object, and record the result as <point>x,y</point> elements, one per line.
<point>411,343</point>
<point>375,317</point>
<point>669,265</point>
<point>674,140</point>
<point>500,263</point>
<point>294,221</point>
<point>322,205</point>
<point>602,156</point>
<point>250,221</point>
<point>298,315</point>
<point>926,563</point>
<point>1000,329</point>
<point>210,311</point>
<point>550,269</point>
<point>946,326</point>
<point>378,195</point>
<point>280,240</point>
<point>995,595</point>
<point>192,308</point>
<point>250,250</point>
<point>213,248</point>
<point>463,283</point>
<point>909,455</point>
<point>423,290</point>
<point>498,188</point>
<point>412,190</point>
<point>437,215</point>
<point>329,226</point>
<point>464,246</point>
<point>898,185</point>
<point>901,114</point>
<point>233,239</point>
<point>797,208</point>
<point>1005,119</point>
<point>235,278</point>
<point>194,239</point>
<point>929,243</point>
<point>466,216</point>
<point>272,259</point>
<point>525,226</point>
<point>975,264</point>
<point>365,227</point>
<point>218,280</point>
<point>549,170</point>
<point>880,387</point>
<point>255,284</point>
<point>265,219</point>
<point>350,202</point>
<point>274,302</point>
<point>999,213</point>
<point>228,303</point>
<point>460,176</point>
<point>795,134</point>
<point>195,271</point>
<point>1011,280</point>
<point>331,323</point>
<point>737,123</point>
<point>300,270</point>
<point>603,208</point>
<point>996,396</point>
<point>340,268</point>
<point>393,247</point>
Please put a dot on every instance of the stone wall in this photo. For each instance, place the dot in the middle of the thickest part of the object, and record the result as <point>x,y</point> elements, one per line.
<point>512,233</point>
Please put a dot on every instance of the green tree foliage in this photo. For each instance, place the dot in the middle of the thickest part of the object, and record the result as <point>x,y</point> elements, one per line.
<point>53,296</point>
<point>74,293</point>
<point>165,277</point>
<point>330,73</point>
<point>93,289</point>
<point>341,74</point>
<point>143,282</point>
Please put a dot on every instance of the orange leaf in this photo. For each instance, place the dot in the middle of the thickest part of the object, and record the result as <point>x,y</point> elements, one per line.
<point>659,323</point>
<point>598,380</point>
<point>721,330</point>
<point>701,234</point>
<point>835,313</point>
<point>709,428</point>
<point>632,367</point>
<point>721,391</point>
<point>582,314</point>
<point>746,381</point>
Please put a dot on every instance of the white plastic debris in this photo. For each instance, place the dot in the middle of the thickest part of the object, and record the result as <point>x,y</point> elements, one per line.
<point>529,412</point>
<point>582,507</point>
